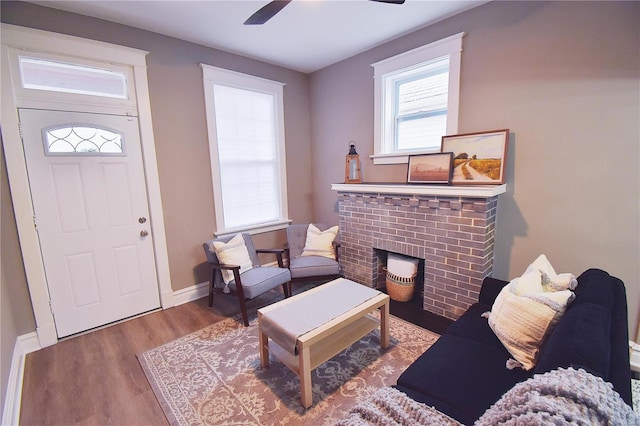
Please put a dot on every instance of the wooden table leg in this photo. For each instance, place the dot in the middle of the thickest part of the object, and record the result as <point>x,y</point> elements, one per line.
<point>384,325</point>
<point>304,372</point>
<point>264,344</point>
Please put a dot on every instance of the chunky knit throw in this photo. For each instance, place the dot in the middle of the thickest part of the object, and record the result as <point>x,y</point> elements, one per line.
<point>559,397</point>
<point>562,396</point>
<point>390,407</point>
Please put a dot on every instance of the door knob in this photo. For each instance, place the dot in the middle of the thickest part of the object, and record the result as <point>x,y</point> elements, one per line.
<point>144,233</point>
<point>142,219</point>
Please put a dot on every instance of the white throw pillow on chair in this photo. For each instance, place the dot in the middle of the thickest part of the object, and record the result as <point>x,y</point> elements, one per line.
<point>320,243</point>
<point>234,252</point>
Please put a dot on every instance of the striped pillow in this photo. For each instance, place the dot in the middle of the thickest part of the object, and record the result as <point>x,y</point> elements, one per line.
<point>522,319</point>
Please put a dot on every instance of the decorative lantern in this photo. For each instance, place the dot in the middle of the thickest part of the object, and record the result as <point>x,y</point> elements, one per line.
<point>352,172</point>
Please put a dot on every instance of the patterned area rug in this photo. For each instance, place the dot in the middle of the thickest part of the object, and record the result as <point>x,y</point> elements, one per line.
<point>214,377</point>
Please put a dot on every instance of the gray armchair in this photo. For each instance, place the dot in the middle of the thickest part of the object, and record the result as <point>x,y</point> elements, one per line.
<point>309,268</point>
<point>252,283</point>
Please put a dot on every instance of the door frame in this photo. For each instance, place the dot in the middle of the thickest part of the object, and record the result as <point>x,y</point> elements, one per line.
<point>44,42</point>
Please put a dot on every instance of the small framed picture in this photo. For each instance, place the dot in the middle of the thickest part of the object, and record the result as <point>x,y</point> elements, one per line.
<point>478,158</point>
<point>430,168</point>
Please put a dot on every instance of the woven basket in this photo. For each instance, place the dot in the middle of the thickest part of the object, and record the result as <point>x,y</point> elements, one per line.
<point>400,288</point>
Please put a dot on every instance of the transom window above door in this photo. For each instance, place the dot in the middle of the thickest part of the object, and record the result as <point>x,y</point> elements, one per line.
<point>43,74</point>
<point>52,81</point>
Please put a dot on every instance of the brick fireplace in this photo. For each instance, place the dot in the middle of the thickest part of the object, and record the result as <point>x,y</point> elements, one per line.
<point>450,228</point>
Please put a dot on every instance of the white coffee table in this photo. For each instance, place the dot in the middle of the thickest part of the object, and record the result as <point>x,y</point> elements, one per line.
<point>312,327</point>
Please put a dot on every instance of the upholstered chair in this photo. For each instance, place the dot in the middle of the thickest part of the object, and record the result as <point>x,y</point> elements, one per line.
<point>308,262</point>
<point>239,271</point>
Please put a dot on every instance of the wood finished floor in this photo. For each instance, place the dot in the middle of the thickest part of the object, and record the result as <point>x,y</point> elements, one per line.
<point>96,379</point>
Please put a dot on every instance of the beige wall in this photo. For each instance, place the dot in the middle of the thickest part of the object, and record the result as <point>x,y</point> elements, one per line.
<point>565,78</point>
<point>179,124</point>
<point>16,315</point>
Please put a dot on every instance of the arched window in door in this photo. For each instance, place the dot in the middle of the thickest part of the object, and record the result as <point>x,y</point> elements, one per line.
<point>85,140</point>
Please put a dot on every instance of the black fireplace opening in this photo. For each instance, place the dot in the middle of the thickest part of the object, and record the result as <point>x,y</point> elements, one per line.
<point>381,283</point>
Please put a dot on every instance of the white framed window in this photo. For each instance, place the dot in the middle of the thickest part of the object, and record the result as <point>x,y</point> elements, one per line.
<point>245,120</point>
<point>416,100</point>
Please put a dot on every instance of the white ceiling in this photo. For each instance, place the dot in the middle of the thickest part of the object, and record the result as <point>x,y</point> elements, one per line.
<point>305,36</point>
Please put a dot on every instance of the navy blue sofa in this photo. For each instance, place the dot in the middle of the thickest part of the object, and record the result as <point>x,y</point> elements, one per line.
<point>465,372</point>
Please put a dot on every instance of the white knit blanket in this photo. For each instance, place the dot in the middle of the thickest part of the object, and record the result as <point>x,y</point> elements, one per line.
<point>562,396</point>
<point>390,407</point>
<point>559,397</point>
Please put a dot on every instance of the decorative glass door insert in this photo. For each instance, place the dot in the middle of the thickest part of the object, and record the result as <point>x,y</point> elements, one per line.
<point>86,140</point>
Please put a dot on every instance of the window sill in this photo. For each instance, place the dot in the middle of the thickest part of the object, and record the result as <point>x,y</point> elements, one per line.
<point>257,229</point>
<point>397,158</point>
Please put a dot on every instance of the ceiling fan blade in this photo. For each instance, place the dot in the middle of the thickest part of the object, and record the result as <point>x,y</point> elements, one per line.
<point>390,1</point>
<point>267,12</point>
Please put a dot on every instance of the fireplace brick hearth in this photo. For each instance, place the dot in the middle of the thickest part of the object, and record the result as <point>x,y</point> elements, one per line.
<point>454,234</point>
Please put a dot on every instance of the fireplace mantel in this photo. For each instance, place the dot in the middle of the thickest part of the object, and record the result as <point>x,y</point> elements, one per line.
<point>470,191</point>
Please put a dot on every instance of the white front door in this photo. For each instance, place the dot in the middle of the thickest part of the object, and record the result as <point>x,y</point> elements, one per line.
<point>92,216</point>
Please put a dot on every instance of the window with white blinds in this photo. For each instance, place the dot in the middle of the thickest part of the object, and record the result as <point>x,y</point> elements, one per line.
<point>246,139</point>
<point>416,100</point>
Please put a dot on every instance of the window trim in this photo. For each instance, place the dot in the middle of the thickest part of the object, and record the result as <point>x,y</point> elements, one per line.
<point>385,70</point>
<point>214,75</point>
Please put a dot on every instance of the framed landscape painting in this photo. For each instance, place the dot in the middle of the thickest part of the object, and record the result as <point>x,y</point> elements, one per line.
<point>478,158</point>
<point>430,168</point>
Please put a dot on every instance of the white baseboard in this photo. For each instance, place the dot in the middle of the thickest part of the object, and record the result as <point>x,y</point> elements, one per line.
<point>197,291</point>
<point>166,299</point>
<point>634,349</point>
<point>25,344</point>
<point>190,294</point>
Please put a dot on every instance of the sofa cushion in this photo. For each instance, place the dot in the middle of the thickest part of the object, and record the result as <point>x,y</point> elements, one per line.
<point>595,286</point>
<point>598,287</point>
<point>619,371</point>
<point>466,375</point>
<point>313,266</point>
<point>257,281</point>
<point>472,325</point>
<point>581,340</point>
<point>491,287</point>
